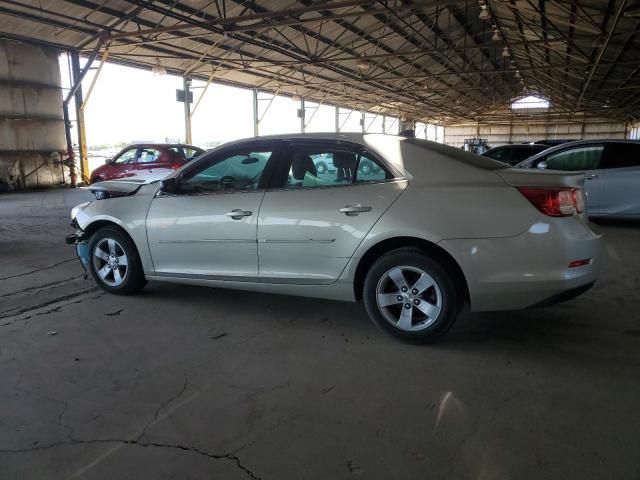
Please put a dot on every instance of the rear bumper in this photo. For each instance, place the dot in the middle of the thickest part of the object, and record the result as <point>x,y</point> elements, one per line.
<point>530,269</point>
<point>564,296</point>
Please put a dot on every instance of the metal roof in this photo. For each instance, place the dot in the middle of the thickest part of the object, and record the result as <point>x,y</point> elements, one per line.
<point>446,60</point>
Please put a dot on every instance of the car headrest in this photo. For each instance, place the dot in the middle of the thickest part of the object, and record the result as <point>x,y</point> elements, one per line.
<point>301,164</point>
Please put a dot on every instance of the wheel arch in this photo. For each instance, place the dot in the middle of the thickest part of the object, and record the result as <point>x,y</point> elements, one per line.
<point>429,248</point>
<point>96,225</point>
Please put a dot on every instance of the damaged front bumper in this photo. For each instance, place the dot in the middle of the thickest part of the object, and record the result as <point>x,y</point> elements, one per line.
<point>82,248</point>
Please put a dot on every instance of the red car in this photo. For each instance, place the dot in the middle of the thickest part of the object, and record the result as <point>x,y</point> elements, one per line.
<point>144,159</point>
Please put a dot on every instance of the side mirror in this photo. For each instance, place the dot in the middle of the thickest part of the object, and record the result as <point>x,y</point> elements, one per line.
<point>168,185</point>
<point>108,161</point>
<point>542,165</point>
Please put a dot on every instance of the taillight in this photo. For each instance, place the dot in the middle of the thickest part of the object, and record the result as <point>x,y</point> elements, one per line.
<point>175,165</point>
<point>555,202</point>
<point>580,263</point>
<point>578,200</point>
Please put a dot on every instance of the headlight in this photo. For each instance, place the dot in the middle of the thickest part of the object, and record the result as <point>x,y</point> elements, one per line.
<point>77,208</point>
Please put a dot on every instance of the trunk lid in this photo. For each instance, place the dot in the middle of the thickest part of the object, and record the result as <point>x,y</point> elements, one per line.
<point>517,177</point>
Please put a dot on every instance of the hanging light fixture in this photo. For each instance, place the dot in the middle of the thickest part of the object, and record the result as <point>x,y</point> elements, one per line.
<point>158,70</point>
<point>484,13</point>
<point>496,36</point>
<point>362,63</point>
<point>505,52</point>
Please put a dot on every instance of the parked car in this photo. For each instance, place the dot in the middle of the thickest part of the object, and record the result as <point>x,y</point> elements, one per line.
<point>438,227</point>
<point>515,153</point>
<point>611,169</point>
<point>141,159</point>
<point>552,142</point>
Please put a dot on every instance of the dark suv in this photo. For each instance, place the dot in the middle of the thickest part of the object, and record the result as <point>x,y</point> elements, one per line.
<point>514,154</point>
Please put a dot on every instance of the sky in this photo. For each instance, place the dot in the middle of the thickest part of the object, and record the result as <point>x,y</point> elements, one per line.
<point>130,105</point>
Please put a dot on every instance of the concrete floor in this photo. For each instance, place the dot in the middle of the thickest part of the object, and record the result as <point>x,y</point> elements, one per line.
<point>185,382</point>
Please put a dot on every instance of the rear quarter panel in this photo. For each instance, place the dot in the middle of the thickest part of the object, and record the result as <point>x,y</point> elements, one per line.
<point>448,199</point>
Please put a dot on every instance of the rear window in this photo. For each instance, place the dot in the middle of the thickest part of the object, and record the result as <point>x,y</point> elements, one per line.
<point>621,155</point>
<point>472,159</point>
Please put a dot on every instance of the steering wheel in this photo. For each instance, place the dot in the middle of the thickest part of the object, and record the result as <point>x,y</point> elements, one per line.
<point>226,181</point>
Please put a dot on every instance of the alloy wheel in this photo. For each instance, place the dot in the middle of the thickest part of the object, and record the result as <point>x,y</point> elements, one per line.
<point>409,298</point>
<point>110,262</point>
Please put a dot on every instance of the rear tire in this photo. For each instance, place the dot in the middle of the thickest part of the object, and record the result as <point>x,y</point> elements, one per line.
<point>411,296</point>
<point>114,262</point>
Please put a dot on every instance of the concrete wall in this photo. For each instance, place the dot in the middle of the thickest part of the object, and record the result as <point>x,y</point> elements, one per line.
<point>522,131</point>
<point>32,139</point>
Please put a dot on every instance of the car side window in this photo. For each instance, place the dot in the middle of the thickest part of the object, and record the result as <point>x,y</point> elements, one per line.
<point>328,166</point>
<point>576,159</point>
<point>621,155</point>
<point>191,152</point>
<point>177,152</point>
<point>317,167</point>
<point>128,156</point>
<point>502,155</point>
<point>148,155</point>
<point>238,171</point>
<point>370,170</point>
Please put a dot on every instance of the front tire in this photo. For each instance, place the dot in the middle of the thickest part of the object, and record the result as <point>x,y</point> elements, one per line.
<point>114,262</point>
<point>321,168</point>
<point>366,168</point>
<point>411,296</point>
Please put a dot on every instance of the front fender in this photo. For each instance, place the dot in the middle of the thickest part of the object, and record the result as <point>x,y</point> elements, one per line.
<point>128,213</point>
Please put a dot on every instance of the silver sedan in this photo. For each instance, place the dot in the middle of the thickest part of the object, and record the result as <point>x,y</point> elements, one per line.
<point>429,229</point>
<point>611,169</point>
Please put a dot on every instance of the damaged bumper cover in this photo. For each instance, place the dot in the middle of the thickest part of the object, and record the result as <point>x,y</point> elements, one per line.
<point>82,248</point>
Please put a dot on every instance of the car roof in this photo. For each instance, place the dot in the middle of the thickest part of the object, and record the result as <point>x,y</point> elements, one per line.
<point>519,145</point>
<point>162,145</point>
<point>373,141</point>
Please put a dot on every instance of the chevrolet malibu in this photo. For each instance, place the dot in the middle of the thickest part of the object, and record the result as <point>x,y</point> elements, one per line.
<point>430,229</point>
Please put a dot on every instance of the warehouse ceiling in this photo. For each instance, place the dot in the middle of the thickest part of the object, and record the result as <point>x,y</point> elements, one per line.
<point>434,61</point>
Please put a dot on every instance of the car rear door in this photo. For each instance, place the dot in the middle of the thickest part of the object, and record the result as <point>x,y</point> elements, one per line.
<point>585,158</point>
<point>206,229</point>
<point>620,178</point>
<point>311,223</point>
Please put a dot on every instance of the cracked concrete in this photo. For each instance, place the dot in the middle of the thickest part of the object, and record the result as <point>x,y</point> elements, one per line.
<point>187,382</point>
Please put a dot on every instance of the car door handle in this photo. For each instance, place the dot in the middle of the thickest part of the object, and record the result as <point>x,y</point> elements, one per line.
<point>238,214</point>
<point>590,176</point>
<point>353,210</point>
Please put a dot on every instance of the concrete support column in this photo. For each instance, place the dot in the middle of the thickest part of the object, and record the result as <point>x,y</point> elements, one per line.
<point>256,118</point>
<point>186,82</point>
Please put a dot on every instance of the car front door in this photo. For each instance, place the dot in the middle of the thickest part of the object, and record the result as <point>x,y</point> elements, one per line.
<point>151,161</point>
<point>311,223</point>
<point>124,165</point>
<point>206,226</point>
<point>620,177</point>
<point>582,158</point>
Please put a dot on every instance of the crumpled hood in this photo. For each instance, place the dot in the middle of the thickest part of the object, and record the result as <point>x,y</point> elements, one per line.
<point>123,187</point>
